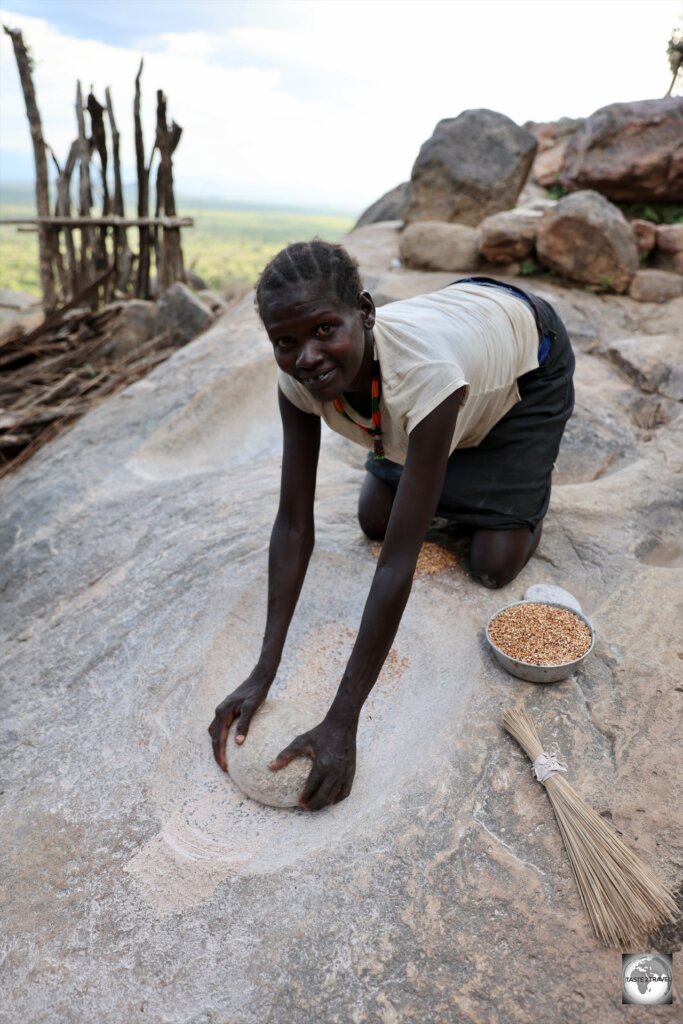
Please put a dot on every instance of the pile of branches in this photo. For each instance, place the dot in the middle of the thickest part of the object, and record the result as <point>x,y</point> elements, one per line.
<point>53,374</point>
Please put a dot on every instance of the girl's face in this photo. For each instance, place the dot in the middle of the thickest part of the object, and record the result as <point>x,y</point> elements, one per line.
<point>321,342</point>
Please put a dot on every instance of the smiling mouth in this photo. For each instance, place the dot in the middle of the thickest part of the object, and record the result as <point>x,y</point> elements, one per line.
<point>318,379</point>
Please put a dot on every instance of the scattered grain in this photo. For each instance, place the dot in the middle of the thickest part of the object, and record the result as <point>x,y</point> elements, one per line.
<point>540,634</point>
<point>431,560</point>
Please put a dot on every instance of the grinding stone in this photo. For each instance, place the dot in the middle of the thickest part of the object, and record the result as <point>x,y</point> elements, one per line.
<point>556,595</point>
<point>273,727</point>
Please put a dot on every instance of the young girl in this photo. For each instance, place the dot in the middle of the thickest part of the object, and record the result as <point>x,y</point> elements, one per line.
<point>461,397</point>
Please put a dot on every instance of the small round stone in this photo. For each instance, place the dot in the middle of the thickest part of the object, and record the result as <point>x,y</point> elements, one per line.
<point>549,592</point>
<point>273,727</point>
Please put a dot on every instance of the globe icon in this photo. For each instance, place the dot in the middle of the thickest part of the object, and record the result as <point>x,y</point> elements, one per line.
<point>647,979</point>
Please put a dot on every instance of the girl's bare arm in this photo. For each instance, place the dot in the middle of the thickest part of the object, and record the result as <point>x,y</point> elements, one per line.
<point>291,545</point>
<point>332,744</point>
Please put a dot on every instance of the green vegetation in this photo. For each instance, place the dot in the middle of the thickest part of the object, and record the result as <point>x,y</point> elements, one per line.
<point>557,191</point>
<point>529,266</point>
<point>226,246</point>
<point>229,245</point>
<point>658,213</point>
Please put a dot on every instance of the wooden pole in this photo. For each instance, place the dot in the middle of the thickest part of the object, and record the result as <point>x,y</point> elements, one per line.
<point>123,259</point>
<point>64,208</point>
<point>46,246</point>
<point>84,193</point>
<point>98,142</point>
<point>167,140</point>
<point>142,283</point>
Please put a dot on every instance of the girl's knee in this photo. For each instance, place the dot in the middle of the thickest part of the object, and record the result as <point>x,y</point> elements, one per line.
<point>374,507</point>
<point>498,556</point>
<point>490,574</point>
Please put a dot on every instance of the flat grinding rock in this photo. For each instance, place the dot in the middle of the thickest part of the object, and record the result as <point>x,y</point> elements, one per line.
<point>273,727</point>
<point>549,592</point>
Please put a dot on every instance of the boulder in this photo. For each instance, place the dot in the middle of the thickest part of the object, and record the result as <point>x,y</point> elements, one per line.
<point>182,313</point>
<point>215,303</point>
<point>433,245</point>
<point>549,133</point>
<point>195,281</point>
<point>645,234</point>
<point>656,286</point>
<point>653,362</point>
<point>548,165</point>
<point>472,166</point>
<point>632,152</point>
<point>135,324</point>
<point>509,235</point>
<point>552,138</point>
<point>670,238</point>
<point>587,239</point>
<point>678,262</point>
<point>390,206</point>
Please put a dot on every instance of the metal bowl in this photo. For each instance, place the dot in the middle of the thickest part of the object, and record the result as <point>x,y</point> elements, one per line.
<point>539,673</point>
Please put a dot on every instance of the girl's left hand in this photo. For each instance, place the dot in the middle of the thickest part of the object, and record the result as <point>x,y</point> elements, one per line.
<point>332,748</point>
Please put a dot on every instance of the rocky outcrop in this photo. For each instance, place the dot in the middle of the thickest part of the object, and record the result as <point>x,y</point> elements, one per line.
<point>182,313</point>
<point>508,236</point>
<point>553,138</point>
<point>134,577</point>
<point>437,246</point>
<point>654,364</point>
<point>631,152</point>
<point>390,206</point>
<point>655,286</point>
<point>645,234</point>
<point>472,166</point>
<point>135,323</point>
<point>670,238</point>
<point>587,239</point>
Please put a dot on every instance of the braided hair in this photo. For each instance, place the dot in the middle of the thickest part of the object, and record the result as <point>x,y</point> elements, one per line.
<point>310,263</point>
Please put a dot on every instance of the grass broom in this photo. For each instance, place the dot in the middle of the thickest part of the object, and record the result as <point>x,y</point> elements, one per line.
<point>625,900</point>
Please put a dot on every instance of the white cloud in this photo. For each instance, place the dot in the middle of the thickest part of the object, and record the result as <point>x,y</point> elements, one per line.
<point>334,106</point>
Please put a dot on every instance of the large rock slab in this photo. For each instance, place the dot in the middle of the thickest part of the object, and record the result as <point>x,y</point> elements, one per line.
<point>138,884</point>
<point>473,165</point>
<point>432,245</point>
<point>632,152</point>
<point>587,239</point>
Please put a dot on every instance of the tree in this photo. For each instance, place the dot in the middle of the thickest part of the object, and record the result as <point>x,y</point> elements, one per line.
<point>674,52</point>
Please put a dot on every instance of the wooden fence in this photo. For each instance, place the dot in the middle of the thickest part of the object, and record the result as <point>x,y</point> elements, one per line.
<point>85,254</point>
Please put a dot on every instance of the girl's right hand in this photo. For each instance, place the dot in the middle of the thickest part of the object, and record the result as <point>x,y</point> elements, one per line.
<point>242,704</point>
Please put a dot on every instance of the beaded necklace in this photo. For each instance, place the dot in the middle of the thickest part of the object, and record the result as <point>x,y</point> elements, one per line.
<point>376,428</point>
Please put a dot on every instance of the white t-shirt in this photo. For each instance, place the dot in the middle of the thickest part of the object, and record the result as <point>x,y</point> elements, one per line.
<point>472,335</point>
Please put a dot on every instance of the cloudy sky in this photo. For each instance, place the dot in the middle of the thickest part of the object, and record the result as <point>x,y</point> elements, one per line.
<point>318,102</point>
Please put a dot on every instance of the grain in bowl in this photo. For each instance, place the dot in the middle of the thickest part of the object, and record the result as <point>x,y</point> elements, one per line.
<point>539,641</point>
